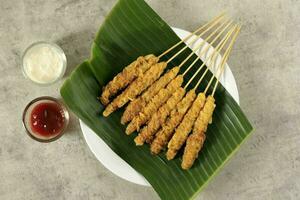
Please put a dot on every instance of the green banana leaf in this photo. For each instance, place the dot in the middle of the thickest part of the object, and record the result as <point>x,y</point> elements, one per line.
<point>132,29</point>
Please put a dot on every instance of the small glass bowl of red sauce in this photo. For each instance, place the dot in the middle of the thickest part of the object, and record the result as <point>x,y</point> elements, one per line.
<point>45,119</point>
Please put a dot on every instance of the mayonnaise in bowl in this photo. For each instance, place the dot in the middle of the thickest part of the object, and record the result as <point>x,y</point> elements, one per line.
<point>44,63</point>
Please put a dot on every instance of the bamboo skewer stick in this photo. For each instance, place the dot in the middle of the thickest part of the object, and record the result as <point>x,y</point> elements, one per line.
<point>195,141</point>
<point>185,127</point>
<point>136,105</point>
<point>167,110</point>
<point>224,61</point>
<point>212,56</point>
<point>159,117</point>
<point>177,114</point>
<point>140,66</point>
<point>216,19</point>
<point>161,97</point>
<point>143,82</point>
<point>198,37</point>
<point>206,41</point>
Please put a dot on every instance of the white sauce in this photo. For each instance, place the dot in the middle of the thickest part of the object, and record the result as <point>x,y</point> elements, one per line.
<point>43,63</point>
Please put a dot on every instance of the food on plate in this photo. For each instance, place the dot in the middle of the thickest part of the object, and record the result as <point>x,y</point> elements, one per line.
<point>135,106</point>
<point>196,140</point>
<point>161,109</point>
<point>159,118</point>
<point>164,134</point>
<point>129,73</point>
<point>185,127</point>
<point>159,99</point>
<point>136,87</point>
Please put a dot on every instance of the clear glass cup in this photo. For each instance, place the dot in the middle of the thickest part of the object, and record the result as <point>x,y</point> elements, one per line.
<point>59,52</point>
<point>27,116</point>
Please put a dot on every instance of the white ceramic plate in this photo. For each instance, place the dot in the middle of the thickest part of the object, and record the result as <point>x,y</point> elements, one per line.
<point>116,164</point>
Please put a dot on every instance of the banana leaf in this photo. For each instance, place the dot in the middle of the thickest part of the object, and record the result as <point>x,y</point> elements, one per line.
<point>132,29</point>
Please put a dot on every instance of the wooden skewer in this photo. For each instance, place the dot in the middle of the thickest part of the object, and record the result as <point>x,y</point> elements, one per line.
<point>203,51</point>
<point>158,100</point>
<point>161,113</point>
<point>226,58</point>
<point>136,106</point>
<point>218,48</point>
<point>225,25</point>
<point>195,141</point>
<point>195,39</point>
<point>200,45</point>
<point>164,94</point>
<point>162,137</point>
<point>214,54</point>
<point>182,131</point>
<point>206,49</point>
<point>215,51</point>
<point>212,78</point>
<point>131,92</point>
<point>216,19</point>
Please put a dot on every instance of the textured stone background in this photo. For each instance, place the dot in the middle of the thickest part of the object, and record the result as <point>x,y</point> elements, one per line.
<point>265,62</point>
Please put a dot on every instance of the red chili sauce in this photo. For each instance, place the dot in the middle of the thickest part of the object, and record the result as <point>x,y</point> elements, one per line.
<point>47,119</point>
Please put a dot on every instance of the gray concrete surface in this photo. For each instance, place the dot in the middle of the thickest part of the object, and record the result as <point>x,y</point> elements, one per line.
<point>265,62</point>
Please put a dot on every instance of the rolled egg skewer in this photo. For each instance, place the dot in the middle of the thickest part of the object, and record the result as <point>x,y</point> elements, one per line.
<point>159,117</point>
<point>160,98</point>
<point>165,133</point>
<point>127,75</point>
<point>135,106</point>
<point>196,140</point>
<point>136,87</point>
<point>185,127</point>
<point>142,64</point>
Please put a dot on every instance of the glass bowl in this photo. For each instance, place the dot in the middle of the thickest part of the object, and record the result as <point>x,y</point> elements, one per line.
<point>28,113</point>
<point>55,49</point>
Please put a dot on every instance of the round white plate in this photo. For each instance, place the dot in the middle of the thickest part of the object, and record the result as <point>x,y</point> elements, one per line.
<point>116,164</point>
